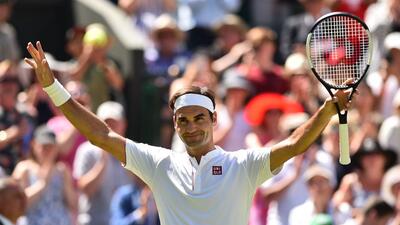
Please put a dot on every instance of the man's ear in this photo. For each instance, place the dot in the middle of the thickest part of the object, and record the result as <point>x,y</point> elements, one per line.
<point>214,119</point>
<point>174,120</point>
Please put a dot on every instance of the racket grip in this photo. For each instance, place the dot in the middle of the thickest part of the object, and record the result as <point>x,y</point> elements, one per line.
<point>344,156</point>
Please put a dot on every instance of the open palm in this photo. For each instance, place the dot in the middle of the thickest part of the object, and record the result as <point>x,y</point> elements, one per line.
<point>39,63</point>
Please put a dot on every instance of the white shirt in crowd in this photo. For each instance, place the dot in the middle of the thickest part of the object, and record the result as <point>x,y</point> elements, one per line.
<point>304,213</point>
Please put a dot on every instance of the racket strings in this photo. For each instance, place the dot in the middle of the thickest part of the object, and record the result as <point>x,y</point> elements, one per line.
<point>339,50</point>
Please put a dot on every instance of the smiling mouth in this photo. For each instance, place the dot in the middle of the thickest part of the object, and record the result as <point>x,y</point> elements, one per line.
<point>190,136</point>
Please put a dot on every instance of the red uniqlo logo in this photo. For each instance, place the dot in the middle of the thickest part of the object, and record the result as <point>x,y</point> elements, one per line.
<point>217,170</point>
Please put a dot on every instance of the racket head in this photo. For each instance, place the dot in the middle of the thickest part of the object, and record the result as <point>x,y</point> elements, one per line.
<point>339,47</point>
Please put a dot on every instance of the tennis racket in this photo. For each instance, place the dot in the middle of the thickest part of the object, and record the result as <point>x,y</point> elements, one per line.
<point>339,48</point>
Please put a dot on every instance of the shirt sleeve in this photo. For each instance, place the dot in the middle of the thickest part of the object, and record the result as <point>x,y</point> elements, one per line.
<point>143,159</point>
<point>120,204</point>
<point>258,165</point>
<point>86,157</point>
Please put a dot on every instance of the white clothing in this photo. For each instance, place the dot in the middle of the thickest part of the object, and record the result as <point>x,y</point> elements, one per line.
<point>217,191</point>
<point>2,173</point>
<point>297,193</point>
<point>389,134</point>
<point>374,80</point>
<point>5,221</point>
<point>235,139</point>
<point>204,13</point>
<point>95,210</point>
<point>304,213</point>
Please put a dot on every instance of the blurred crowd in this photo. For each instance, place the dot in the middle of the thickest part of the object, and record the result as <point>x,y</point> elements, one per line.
<point>49,173</point>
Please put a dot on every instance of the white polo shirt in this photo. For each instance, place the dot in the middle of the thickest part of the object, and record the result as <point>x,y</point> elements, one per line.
<point>217,191</point>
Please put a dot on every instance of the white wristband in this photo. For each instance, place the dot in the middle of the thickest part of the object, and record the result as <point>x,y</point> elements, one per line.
<point>57,93</point>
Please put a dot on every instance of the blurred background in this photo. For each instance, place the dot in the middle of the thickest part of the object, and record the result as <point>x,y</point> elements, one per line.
<point>123,59</point>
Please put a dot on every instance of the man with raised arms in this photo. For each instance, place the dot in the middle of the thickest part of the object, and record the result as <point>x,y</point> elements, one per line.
<point>204,185</point>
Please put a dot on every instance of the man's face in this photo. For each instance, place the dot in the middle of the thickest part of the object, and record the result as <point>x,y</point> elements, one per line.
<point>8,94</point>
<point>5,11</point>
<point>320,189</point>
<point>194,126</point>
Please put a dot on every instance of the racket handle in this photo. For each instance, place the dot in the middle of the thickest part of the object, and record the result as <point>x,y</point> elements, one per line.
<point>344,156</point>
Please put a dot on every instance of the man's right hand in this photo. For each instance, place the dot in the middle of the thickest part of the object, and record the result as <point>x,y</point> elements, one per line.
<point>39,63</point>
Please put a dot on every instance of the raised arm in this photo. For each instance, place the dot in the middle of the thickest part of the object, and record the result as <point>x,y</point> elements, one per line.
<point>301,139</point>
<point>94,129</point>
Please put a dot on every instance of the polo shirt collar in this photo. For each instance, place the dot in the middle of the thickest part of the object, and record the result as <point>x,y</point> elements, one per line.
<point>207,157</point>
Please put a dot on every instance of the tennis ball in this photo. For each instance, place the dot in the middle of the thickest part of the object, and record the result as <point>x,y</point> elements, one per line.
<point>95,35</point>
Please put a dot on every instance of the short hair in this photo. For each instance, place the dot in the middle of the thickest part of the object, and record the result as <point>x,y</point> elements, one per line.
<point>6,183</point>
<point>75,32</point>
<point>378,205</point>
<point>192,90</point>
<point>260,35</point>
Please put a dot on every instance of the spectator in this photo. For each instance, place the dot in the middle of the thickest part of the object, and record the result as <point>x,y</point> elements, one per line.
<point>13,201</point>
<point>357,8</point>
<point>301,82</point>
<point>385,82</point>
<point>230,48</point>
<point>375,212</point>
<point>389,132</point>
<point>98,72</point>
<point>168,58</point>
<point>204,15</point>
<point>94,169</point>
<point>47,183</point>
<point>145,12</point>
<point>320,184</point>
<point>280,193</point>
<point>380,26</point>
<point>295,28</point>
<point>262,71</point>
<point>9,49</point>
<point>230,31</point>
<point>74,46</point>
<point>272,13</point>
<point>232,128</point>
<point>133,204</point>
<point>391,191</point>
<point>370,161</point>
<point>263,113</point>
<point>13,123</point>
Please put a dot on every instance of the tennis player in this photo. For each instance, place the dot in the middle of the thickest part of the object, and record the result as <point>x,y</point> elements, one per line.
<point>205,185</point>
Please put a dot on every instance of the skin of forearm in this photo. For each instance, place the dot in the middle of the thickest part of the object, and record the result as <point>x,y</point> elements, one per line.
<point>80,69</point>
<point>309,132</point>
<point>34,192</point>
<point>70,196</point>
<point>90,182</point>
<point>114,77</point>
<point>278,189</point>
<point>86,122</point>
<point>94,129</point>
<point>12,134</point>
<point>299,141</point>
